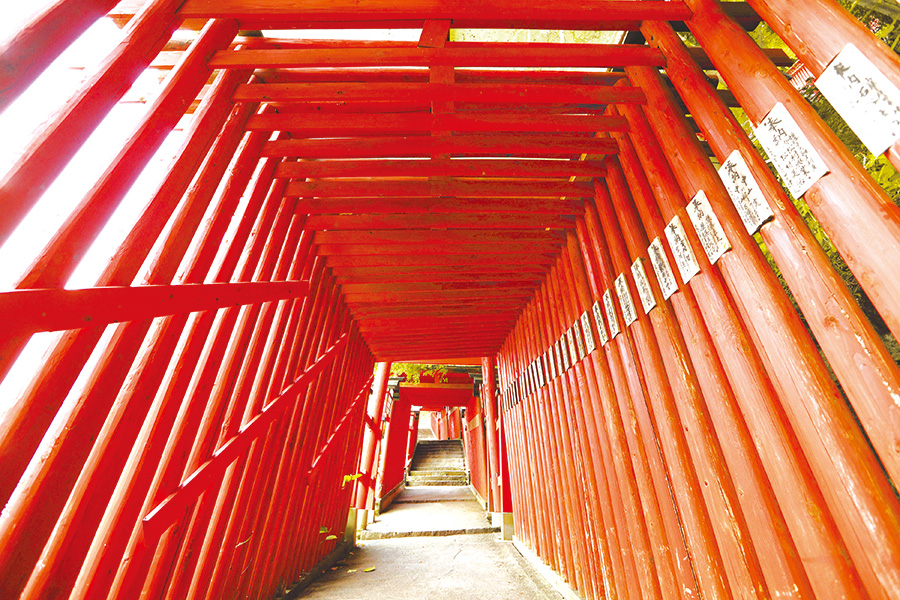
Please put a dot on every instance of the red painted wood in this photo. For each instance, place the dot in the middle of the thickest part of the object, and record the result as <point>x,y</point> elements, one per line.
<point>54,310</point>
<point>424,236</point>
<point>841,329</point>
<point>768,529</point>
<point>837,450</point>
<point>435,167</point>
<point>112,539</point>
<point>435,188</point>
<point>500,145</point>
<point>413,262</point>
<point>421,75</point>
<point>490,425</point>
<point>163,515</point>
<point>467,54</point>
<point>784,462</point>
<point>440,276</point>
<point>487,222</point>
<point>522,94</point>
<point>855,212</point>
<point>413,287</point>
<point>821,31</point>
<point>58,140</point>
<point>443,205</point>
<point>25,55</point>
<point>374,410</point>
<point>462,13</point>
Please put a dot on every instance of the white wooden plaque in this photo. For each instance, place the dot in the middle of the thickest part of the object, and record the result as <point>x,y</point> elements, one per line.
<point>551,365</point>
<point>864,97</point>
<point>540,371</point>
<point>795,159</point>
<point>559,362</point>
<point>709,230</point>
<point>745,192</point>
<point>573,351</point>
<point>611,315</point>
<point>565,353</point>
<point>645,292</point>
<point>681,250</point>
<point>579,340</point>
<point>601,327</point>
<point>663,270</point>
<point>628,311</point>
<point>589,342</point>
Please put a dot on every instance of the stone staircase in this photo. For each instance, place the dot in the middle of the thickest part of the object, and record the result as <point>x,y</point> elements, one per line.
<point>438,463</point>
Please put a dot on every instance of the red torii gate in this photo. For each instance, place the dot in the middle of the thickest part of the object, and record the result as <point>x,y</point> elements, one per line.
<point>668,435</point>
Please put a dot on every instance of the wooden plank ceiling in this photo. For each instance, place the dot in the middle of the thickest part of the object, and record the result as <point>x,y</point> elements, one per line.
<point>439,176</point>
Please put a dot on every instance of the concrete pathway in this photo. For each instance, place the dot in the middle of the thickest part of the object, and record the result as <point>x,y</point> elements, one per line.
<point>412,561</point>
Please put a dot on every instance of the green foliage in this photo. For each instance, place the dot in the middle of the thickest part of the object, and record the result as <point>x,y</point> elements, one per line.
<point>414,371</point>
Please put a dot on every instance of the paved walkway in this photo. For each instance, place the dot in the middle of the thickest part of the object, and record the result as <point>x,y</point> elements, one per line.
<point>413,561</point>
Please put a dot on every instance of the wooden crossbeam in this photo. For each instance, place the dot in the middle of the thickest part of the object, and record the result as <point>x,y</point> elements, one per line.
<point>464,54</point>
<point>423,312</point>
<point>545,14</point>
<point>435,286</point>
<point>501,93</point>
<point>421,75</point>
<point>426,146</point>
<point>390,277</point>
<point>441,167</point>
<point>459,260</point>
<point>444,205</point>
<point>405,222</point>
<point>437,188</point>
<point>425,237</point>
<point>342,124</point>
<point>438,248</point>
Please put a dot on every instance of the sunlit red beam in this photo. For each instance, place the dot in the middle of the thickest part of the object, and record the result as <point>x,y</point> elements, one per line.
<point>488,221</point>
<point>426,146</point>
<point>503,93</point>
<point>444,205</point>
<point>476,167</point>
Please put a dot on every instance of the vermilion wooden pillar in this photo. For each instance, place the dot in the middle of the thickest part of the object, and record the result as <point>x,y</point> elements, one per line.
<point>819,30</point>
<point>855,212</point>
<point>759,403</point>
<point>871,379</point>
<point>490,425</point>
<point>828,432</point>
<point>373,431</point>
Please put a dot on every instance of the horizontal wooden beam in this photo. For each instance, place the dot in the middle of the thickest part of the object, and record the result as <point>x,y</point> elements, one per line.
<point>416,322</point>
<point>580,14</point>
<point>437,188</point>
<point>460,260</point>
<point>427,146</point>
<point>162,516</point>
<point>28,311</point>
<point>522,94</point>
<point>369,249</point>
<point>416,287</point>
<point>440,276</point>
<point>462,54</point>
<point>421,75</point>
<point>443,205</point>
<point>486,301</point>
<point>476,167</point>
<point>404,297</point>
<point>487,221</point>
<point>452,236</point>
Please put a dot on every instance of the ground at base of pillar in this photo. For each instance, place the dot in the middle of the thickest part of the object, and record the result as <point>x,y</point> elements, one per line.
<point>460,567</point>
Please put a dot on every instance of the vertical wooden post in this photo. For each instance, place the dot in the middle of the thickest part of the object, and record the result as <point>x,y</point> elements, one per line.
<point>490,425</point>
<point>372,433</point>
<point>854,211</point>
<point>785,464</point>
<point>827,430</point>
<point>871,378</point>
<point>819,31</point>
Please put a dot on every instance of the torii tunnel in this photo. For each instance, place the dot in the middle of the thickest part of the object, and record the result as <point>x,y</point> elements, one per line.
<point>682,397</point>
